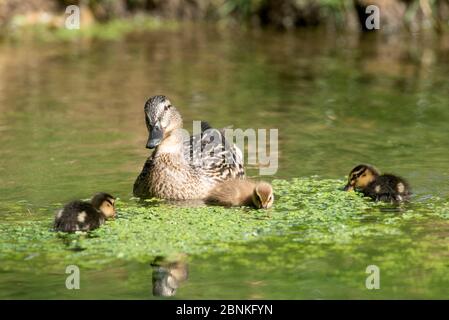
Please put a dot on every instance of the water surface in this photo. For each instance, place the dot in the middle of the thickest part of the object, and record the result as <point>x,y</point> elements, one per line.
<point>71,124</point>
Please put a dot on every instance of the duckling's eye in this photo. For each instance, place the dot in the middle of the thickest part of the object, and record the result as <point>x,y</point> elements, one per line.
<point>109,204</point>
<point>167,107</point>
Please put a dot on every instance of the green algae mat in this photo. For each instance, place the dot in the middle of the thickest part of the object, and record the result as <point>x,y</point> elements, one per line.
<point>315,211</point>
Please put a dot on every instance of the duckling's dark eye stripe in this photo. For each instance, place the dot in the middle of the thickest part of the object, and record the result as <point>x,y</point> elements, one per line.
<point>357,174</point>
<point>107,200</point>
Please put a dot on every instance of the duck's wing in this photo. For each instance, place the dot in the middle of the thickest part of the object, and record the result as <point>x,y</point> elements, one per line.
<point>140,188</point>
<point>211,153</point>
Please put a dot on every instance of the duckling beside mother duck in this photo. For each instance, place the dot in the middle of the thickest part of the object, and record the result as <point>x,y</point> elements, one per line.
<point>169,173</point>
<point>85,216</point>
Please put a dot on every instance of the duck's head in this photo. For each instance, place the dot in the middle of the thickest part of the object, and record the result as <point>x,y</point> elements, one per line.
<point>105,203</point>
<point>161,118</point>
<point>361,176</point>
<point>263,195</point>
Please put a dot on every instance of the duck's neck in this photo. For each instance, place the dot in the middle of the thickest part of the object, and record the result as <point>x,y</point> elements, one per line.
<point>172,145</point>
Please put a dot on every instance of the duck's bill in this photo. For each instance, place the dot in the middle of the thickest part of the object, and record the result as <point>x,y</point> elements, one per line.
<point>155,138</point>
<point>348,187</point>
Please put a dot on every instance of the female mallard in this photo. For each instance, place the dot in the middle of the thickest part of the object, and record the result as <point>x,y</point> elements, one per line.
<point>182,167</point>
<point>379,187</point>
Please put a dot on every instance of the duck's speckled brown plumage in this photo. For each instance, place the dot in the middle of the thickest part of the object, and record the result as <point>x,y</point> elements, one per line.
<point>168,176</point>
<point>169,172</point>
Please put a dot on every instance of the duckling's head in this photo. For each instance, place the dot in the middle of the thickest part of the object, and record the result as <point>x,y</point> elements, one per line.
<point>361,176</point>
<point>161,118</point>
<point>263,195</point>
<point>105,203</point>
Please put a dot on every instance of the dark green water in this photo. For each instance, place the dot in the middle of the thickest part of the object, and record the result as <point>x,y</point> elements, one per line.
<point>71,124</point>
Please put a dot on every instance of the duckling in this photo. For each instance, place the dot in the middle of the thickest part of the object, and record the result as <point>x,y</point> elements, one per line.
<point>242,192</point>
<point>169,172</point>
<point>379,187</point>
<point>84,216</point>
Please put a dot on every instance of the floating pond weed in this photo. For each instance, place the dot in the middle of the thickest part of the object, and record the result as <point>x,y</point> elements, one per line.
<point>312,210</point>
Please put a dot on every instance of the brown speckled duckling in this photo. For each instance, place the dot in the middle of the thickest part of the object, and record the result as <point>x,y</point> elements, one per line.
<point>242,192</point>
<point>84,216</point>
<point>379,187</point>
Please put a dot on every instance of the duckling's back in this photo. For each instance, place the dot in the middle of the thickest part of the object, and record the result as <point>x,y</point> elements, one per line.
<point>232,193</point>
<point>78,216</point>
<point>388,187</point>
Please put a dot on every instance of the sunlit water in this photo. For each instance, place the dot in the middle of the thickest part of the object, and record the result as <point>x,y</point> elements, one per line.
<point>71,124</point>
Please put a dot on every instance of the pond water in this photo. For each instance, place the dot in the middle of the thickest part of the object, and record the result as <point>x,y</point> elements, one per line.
<point>71,124</point>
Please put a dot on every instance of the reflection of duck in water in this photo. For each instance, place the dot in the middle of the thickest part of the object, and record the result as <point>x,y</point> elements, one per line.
<point>168,274</point>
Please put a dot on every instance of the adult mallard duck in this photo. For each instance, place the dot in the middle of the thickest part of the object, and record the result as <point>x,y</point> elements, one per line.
<point>379,187</point>
<point>183,167</point>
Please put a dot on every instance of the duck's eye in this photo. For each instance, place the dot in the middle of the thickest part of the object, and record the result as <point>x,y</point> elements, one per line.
<point>167,107</point>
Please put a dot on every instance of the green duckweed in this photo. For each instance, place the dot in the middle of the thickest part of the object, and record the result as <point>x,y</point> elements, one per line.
<point>309,210</point>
